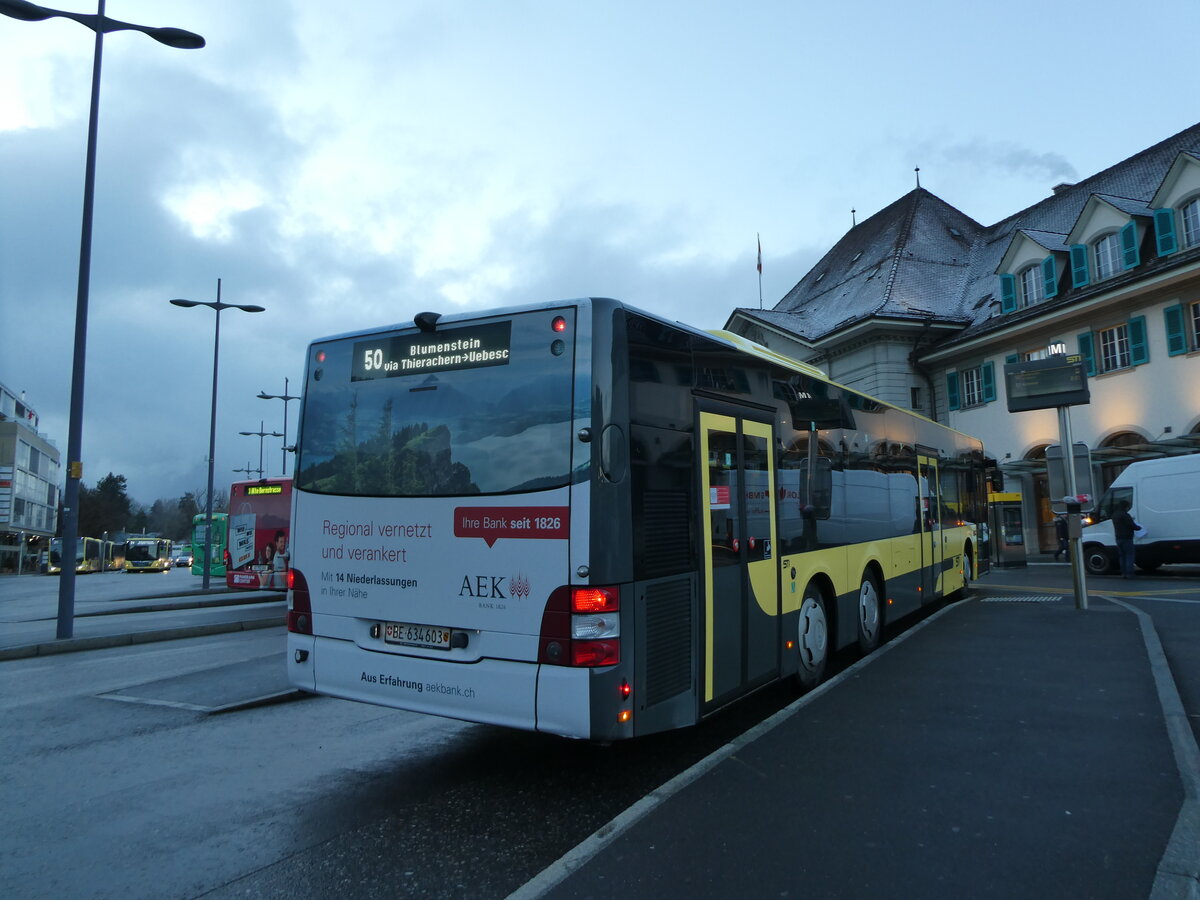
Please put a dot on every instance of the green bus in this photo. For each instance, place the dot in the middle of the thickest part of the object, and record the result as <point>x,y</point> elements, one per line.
<point>220,532</point>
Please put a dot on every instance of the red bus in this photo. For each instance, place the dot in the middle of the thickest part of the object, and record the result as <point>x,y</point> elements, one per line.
<point>258,553</point>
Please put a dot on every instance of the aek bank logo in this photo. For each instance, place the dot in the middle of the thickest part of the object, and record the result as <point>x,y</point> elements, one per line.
<point>492,587</point>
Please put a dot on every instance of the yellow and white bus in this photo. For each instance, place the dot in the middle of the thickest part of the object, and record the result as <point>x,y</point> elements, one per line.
<point>144,553</point>
<point>89,553</point>
<point>582,519</point>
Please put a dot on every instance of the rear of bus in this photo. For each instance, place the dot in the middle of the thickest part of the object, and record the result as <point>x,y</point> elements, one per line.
<point>440,520</point>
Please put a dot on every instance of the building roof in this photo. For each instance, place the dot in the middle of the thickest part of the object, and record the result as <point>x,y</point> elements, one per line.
<point>921,258</point>
<point>892,265</point>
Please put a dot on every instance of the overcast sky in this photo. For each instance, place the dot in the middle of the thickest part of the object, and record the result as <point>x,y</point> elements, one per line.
<point>349,165</point>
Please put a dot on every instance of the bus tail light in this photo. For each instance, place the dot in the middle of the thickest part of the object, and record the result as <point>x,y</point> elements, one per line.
<point>580,627</point>
<point>299,617</point>
<point>590,628</point>
<point>595,599</point>
<point>595,653</point>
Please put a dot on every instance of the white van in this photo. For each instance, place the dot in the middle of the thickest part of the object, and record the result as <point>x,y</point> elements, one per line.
<point>1164,498</point>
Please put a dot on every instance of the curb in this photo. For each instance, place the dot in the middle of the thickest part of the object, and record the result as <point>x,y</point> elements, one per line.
<point>1178,875</point>
<point>204,601</point>
<point>99,642</point>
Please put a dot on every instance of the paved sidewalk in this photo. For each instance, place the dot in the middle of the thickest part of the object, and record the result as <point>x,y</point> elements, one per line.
<point>1009,746</point>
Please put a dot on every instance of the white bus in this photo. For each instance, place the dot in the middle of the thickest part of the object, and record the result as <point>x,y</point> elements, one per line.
<point>581,519</point>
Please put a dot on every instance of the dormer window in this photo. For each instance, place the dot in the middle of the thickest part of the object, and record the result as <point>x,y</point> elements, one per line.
<point>1190,213</point>
<point>1033,288</point>
<point>1106,253</point>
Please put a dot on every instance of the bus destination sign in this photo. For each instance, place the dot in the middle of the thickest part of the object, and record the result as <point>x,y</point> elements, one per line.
<point>256,490</point>
<point>422,353</point>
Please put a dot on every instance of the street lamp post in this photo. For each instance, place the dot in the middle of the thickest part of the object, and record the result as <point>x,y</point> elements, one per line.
<point>212,428</point>
<point>285,397</point>
<point>102,25</point>
<point>261,434</point>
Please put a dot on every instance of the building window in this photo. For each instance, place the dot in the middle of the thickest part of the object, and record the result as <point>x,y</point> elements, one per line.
<point>972,388</point>
<point>1107,253</point>
<point>1183,328</point>
<point>1114,348</point>
<point>1191,223</point>
<point>914,397</point>
<point>1032,286</point>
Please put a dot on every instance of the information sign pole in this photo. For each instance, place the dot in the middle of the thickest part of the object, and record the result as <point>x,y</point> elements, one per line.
<point>1057,382</point>
<point>1074,526</point>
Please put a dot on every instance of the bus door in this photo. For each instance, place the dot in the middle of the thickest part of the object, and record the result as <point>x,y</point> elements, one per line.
<point>929,502</point>
<point>740,568</point>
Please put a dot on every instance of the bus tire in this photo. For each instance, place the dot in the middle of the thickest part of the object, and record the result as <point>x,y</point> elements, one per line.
<point>870,613</point>
<point>812,638</point>
<point>1097,560</point>
<point>968,568</point>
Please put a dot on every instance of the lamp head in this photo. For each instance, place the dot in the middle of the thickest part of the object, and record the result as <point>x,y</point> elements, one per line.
<point>176,37</point>
<point>26,12</point>
<point>185,303</point>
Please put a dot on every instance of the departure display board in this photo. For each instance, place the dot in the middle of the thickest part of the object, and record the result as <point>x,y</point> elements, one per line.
<point>1046,383</point>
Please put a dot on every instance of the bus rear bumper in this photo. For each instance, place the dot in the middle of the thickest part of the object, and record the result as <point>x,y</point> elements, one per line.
<point>490,691</point>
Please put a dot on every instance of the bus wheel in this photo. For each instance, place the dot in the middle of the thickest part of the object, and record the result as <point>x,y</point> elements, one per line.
<point>870,613</point>
<point>968,568</point>
<point>1097,560</point>
<point>813,637</point>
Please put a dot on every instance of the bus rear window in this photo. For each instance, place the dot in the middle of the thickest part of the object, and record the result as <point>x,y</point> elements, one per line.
<point>478,408</point>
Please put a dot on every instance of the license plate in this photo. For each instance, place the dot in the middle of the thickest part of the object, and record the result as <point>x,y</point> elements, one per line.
<point>416,635</point>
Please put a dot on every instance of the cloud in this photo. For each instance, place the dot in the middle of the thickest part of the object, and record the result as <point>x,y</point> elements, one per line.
<point>1011,159</point>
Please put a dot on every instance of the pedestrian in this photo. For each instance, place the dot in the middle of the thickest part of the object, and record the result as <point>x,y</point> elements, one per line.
<point>1123,532</point>
<point>279,561</point>
<point>1060,532</point>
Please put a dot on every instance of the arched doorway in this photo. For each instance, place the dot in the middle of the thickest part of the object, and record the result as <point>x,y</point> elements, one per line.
<point>1115,453</point>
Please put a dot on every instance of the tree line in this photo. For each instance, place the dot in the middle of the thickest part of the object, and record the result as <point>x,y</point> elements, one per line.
<point>108,508</point>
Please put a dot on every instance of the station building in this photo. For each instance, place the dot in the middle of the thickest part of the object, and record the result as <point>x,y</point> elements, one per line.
<point>922,306</point>
<point>29,477</point>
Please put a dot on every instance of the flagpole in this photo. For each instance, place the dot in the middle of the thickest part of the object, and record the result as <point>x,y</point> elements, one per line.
<point>759,237</point>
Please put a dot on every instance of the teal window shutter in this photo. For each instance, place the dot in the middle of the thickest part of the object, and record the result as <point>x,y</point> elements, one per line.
<point>1049,277</point>
<point>1139,352</point>
<point>1011,358</point>
<point>952,390</point>
<point>1079,265</point>
<point>1008,293</point>
<point>987,375</point>
<point>1176,337</point>
<point>1130,256</point>
<point>1087,351</point>
<point>1164,231</point>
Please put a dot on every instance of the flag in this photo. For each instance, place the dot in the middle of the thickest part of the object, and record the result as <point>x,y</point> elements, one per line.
<point>759,254</point>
